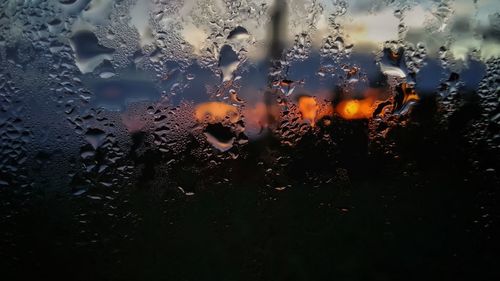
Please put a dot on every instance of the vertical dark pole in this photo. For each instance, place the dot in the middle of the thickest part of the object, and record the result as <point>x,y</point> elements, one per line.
<point>275,52</point>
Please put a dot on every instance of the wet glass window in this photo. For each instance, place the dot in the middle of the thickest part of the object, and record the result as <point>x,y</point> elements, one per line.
<point>249,140</point>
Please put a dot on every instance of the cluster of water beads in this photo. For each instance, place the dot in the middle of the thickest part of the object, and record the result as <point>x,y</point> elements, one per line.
<point>103,50</point>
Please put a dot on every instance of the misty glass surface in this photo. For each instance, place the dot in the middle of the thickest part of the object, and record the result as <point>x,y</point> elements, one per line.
<point>105,102</point>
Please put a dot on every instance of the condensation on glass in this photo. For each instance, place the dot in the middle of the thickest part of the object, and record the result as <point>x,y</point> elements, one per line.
<point>92,92</point>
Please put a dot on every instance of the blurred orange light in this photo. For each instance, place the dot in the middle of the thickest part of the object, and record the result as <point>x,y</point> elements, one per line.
<point>308,107</point>
<point>216,112</point>
<point>356,109</point>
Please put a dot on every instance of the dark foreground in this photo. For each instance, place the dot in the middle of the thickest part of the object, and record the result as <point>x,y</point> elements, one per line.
<point>370,230</point>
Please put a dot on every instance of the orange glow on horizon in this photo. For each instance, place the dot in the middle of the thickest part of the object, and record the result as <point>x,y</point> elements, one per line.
<point>312,111</point>
<point>216,112</point>
<point>356,109</point>
<point>308,108</point>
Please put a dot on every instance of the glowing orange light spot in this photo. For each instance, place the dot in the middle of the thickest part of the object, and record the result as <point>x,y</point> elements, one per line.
<point>216,112</point>
<point>356,109</point>
<point>308,107</point>
<point>313,111</point>
<point>351,108</point>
